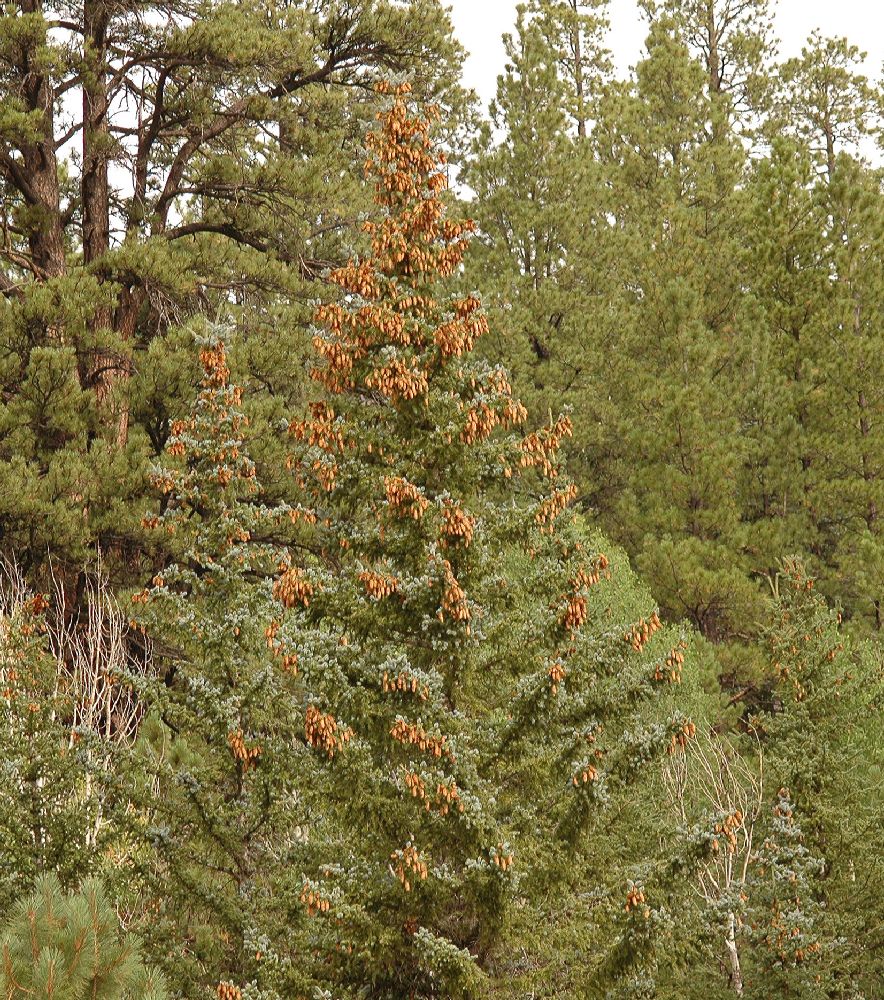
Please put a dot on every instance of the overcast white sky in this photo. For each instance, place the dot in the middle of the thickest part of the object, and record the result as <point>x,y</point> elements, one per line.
<point>480,23</point>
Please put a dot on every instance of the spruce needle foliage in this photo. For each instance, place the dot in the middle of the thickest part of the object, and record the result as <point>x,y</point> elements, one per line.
<point>215,774</point>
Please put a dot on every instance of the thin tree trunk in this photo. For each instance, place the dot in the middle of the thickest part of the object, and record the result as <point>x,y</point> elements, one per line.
<point>579,87</point>
<point>730,942</point>
<point>714,67</point>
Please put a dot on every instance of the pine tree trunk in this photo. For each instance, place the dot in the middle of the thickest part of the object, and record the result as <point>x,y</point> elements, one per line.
<point>39,180</point>
<point>105,369</point>
<point>578,72</point>
<point>714,66</point>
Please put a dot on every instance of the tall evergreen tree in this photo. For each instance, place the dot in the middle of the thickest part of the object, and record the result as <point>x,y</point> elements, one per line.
<point>157,163</point>
<point>827,269</point>
<point>469,667</point>
<point>576,30</point>
<point>676,238</point>
<point>733,39</point>
<point>545,271</point>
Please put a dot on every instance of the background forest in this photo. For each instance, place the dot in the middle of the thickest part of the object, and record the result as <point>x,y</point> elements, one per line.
<point>442,547</point>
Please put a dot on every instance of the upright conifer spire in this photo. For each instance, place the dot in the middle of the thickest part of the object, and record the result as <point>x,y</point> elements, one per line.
<point>454,624</point>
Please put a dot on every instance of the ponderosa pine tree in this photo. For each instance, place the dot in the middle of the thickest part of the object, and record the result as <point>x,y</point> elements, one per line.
<point>57,946</point>
<point>575,30</point>
<point>676,243</point>
<point>157,163</point>
<point>545,272</point>
<point>833,108</point>
<point>849,488</point>
<point>788,271</point>
<point>733,42</point>
<point>827,100</point>
<point>627,305</point>
<point>816,223</point>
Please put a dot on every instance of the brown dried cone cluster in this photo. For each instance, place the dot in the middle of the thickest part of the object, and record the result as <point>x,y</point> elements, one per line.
<point>457,525</point>
<point>417,786</point>
<point>482,419</point>
<point>214,362</point>
<point>404,682</point>
<point>246,755</point>
<point>557,674</point>
<point>321,429</point>
<point>635,899</point>
<point>378,585</point>
<point>399,380</point>
<point>671,668</point>
<point>502,858</point>
<point>448,798</point>
<point>454,599</point>
<point>324,733</point>
<point>414,734</point>
<point>586,774</point>
<point>216,375</point>
<point>640,633</point>
<point>405,498</point>
<point>539,448</point>
<point>228,991</point>
<point>574,615</point>
<point>314,901</point>
<point>407,863</point>
<point>727,830</point>
<point>686,731</point>
<point>549,510</point>
<point>447,794</point>
<point>9,677</point>
<point>277,647</point>
<point>293,587</point>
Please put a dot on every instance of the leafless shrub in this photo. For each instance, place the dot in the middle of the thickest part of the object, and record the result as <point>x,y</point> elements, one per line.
<point>98,659</point>
<point>97,668</point>
<point>712,777</point>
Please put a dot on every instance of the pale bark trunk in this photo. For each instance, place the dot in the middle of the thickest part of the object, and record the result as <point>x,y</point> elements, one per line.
<point>733,954</point>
